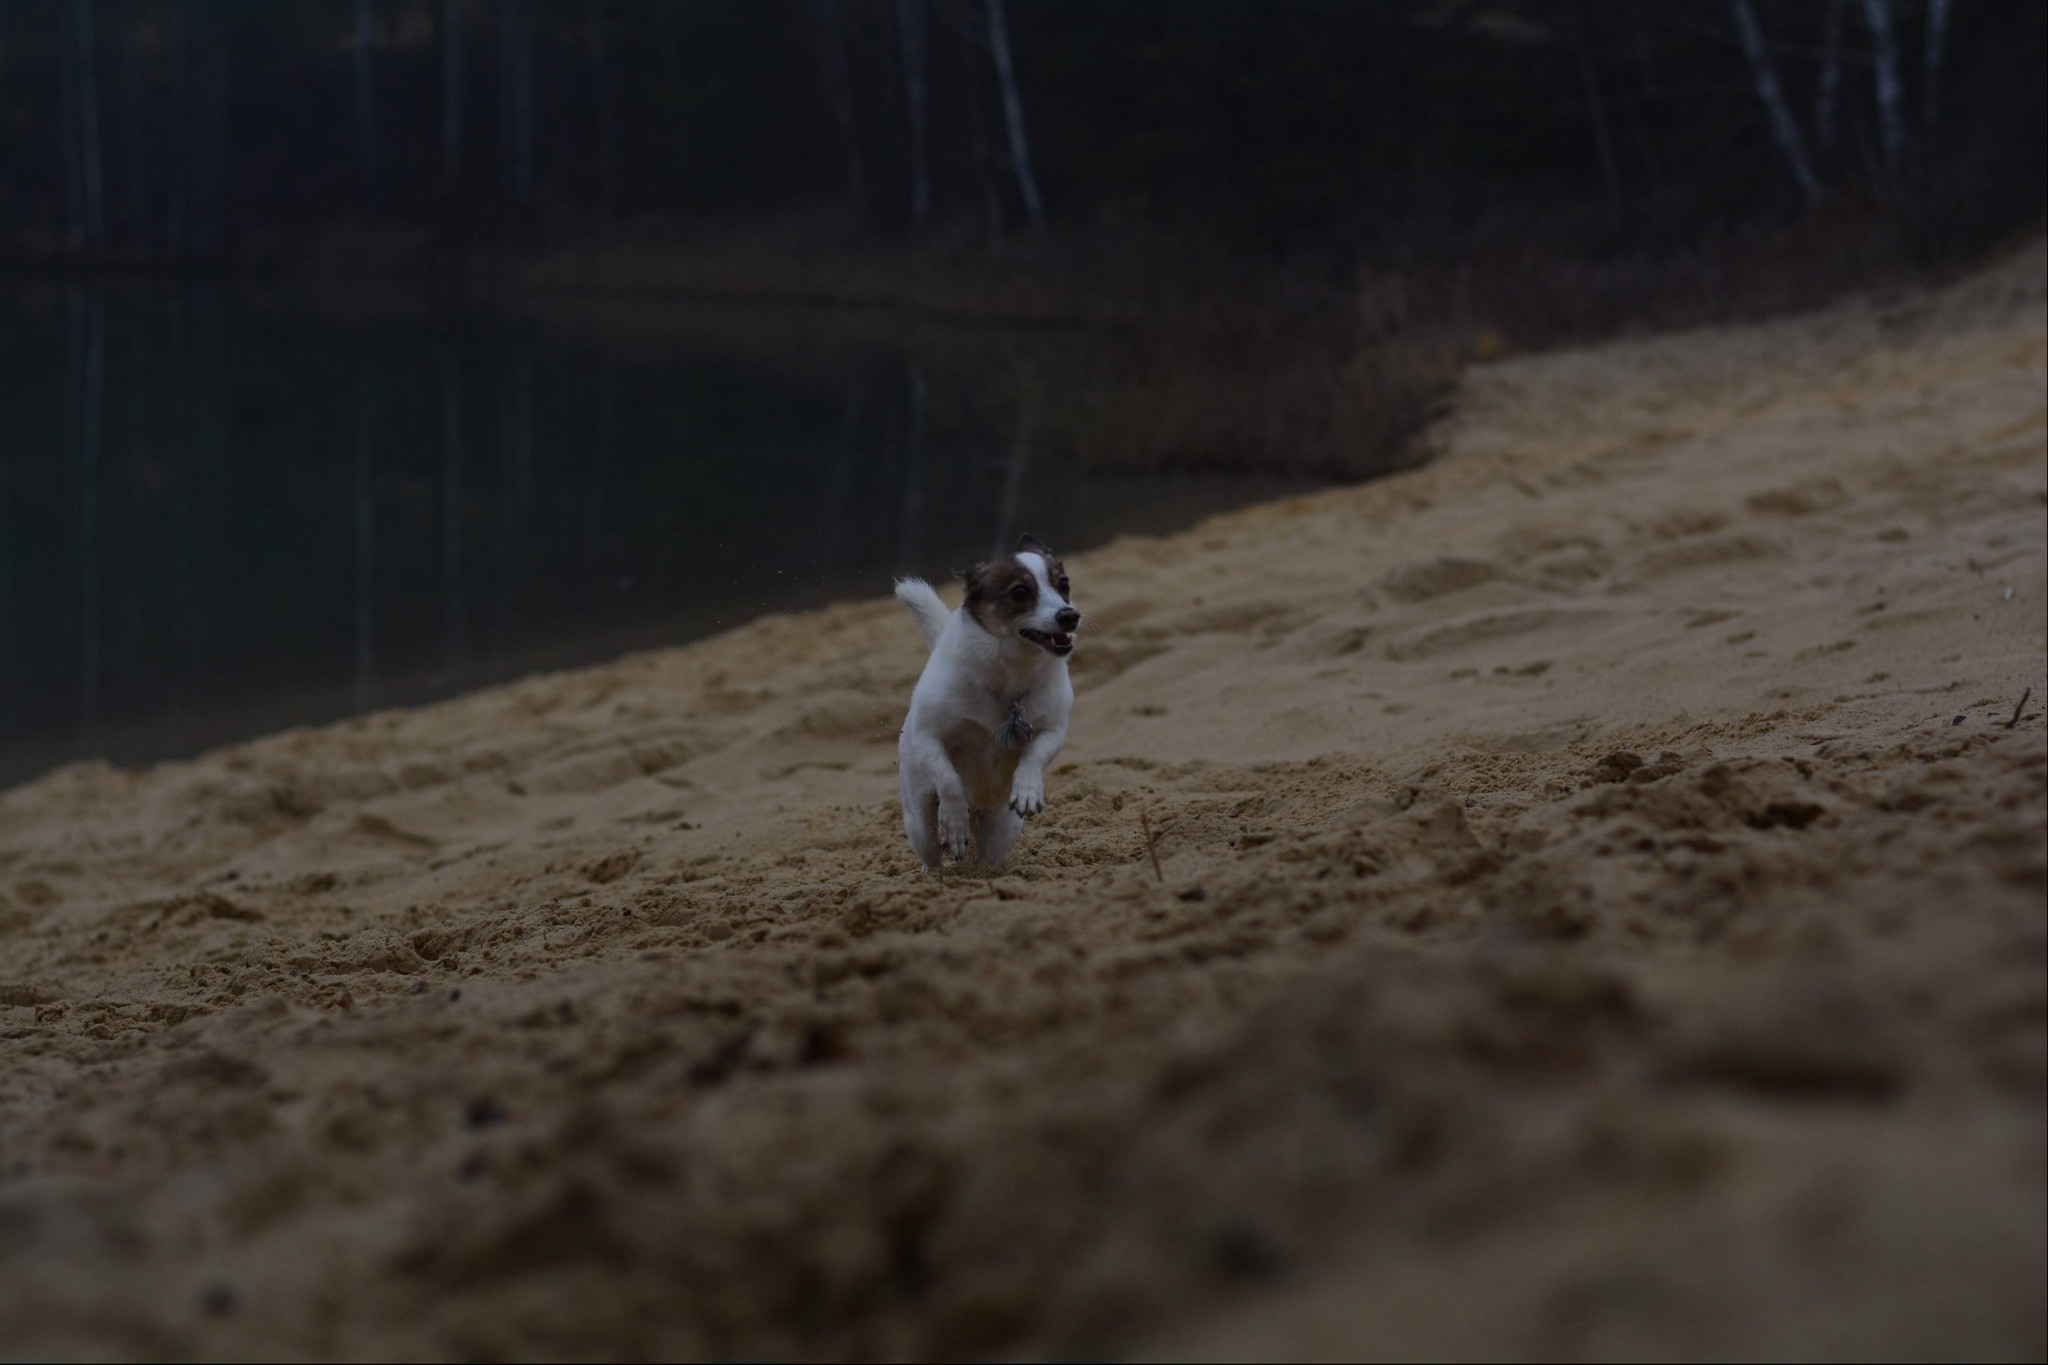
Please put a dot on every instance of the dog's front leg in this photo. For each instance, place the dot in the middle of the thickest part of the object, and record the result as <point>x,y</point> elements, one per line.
<point>938,776</point>
<point>1027,787</point>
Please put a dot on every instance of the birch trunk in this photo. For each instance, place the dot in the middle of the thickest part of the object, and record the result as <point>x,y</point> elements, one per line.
<point>515,97</point>
<point>455,622</point>
<point>1013,473</point>
<point>977,135</point>
<point>839,88</point>
<point>137,164</point>
<point>1649,68</point>
<point>366,122</point>
<point>1891,122</point>
<point>1013,114</point>
<point>68,134</point>
<point>601,99</point>
<point>518,452</point>
<point>89,510</point>
<point>910,27</point>
<point>89,128</point>
<point>524,160</point>
<point>1824,94</point>
<point>177,212</point>
<point>1773,97</point>
<point>366,540</point>
<point>1596,107</point>
<point>451,94</point>
<point>1937,36</point>
<point>206,127</point>
<point>910,531</point>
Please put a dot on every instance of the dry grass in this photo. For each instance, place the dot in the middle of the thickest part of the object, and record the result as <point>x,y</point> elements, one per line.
<point>1187,355</point>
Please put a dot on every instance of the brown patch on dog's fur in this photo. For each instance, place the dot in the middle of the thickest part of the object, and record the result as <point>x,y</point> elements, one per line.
<point>1054,570</point>
<point>988,594</point>
<point>989,585</point>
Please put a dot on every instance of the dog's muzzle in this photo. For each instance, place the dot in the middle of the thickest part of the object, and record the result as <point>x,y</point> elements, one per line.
<point>1056,642</point>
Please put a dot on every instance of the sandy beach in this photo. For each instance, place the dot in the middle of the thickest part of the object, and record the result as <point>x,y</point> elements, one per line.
<point>1584,897</point>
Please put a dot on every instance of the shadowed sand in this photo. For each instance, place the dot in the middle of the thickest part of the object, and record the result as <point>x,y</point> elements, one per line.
<point>1600,913</point>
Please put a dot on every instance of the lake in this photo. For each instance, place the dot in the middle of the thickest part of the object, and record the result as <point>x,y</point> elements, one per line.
<point>226,511</point>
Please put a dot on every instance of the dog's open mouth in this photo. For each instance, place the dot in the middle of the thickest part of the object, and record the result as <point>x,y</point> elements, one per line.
<point>1052,642</point>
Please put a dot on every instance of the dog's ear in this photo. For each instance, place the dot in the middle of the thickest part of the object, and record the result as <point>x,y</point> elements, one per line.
<point>1033,545</point>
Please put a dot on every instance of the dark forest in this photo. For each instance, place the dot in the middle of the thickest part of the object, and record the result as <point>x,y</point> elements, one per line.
<point>413,134</point>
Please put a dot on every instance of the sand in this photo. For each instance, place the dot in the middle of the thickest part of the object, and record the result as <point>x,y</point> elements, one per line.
<point>1598,911</point>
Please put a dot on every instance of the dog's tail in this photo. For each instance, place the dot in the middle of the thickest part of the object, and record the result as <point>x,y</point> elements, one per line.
<point>925,605</point>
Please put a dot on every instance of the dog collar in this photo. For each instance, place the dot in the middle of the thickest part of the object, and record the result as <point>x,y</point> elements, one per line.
<point>1016,731</point>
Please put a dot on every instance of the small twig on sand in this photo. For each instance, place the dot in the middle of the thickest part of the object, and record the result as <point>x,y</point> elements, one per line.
<point>2017,709</point>
<point>1151,845</point>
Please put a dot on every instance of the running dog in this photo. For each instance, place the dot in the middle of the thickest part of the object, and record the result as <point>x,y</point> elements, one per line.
<point>990,711</point>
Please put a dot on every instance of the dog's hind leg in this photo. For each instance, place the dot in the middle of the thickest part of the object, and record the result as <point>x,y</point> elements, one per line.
<point>920,806</point>
<point>934,805</point>
<point>920,823</point>
<point>997,831</point>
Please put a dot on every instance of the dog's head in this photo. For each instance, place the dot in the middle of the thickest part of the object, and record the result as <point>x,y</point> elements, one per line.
<point>1026,597</point>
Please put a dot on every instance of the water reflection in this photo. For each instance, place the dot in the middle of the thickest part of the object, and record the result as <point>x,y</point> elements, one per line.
<point>224,513</point>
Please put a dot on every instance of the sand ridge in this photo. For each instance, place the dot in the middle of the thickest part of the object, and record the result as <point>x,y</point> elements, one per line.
<point>1599,911</point>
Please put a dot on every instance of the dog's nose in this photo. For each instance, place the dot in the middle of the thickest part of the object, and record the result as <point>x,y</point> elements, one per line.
<point>1067,618</point>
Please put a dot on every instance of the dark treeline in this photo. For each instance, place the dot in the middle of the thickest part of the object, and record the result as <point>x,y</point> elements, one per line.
<point>169,132</point>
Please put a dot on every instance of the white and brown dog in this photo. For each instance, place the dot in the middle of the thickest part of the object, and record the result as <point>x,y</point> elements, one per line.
<point>990,710</point>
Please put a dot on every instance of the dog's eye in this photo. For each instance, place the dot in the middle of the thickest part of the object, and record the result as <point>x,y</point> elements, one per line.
<point>1020,593</point>
<point>1064,587</point>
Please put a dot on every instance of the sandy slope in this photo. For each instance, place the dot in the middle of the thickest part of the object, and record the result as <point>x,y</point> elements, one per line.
<point>1601,913</point>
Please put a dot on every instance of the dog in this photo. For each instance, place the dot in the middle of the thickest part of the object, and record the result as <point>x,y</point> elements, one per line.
<point>989,712</point>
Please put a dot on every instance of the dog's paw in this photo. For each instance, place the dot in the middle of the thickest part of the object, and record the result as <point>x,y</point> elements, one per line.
<point>956,832</point>
<point>1027,798</point>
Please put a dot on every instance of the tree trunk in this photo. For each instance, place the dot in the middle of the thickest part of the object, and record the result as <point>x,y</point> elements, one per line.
<point>451,96</point>
<point>836,488</point>
<point>205,151</point>
<point>601,99</point>
<point>1649,68</point>
<point>366,539</point>
<point>455,619</point>
<point>10,646</point>
<point>515,103</point>
<point>525,161</point>
<point>1013,471</point>
<point>1589,79</point>
<point>508,60</point>
<point>910,531</point>
<point>89,128</point>
<point>1937,36</point>
<point>177,212</point>
<point>517,440</point>
<point>366,120</point>
<point>911,31</point>
<point>137,166</point>
<point>1885,54</point>
<point>839,88</point>
<point>1830,82</point>
<point>68,133</point>
<point>1773,97</point>
<point>977,135</point>
<point>88,510</point>
<point>1013,113</point>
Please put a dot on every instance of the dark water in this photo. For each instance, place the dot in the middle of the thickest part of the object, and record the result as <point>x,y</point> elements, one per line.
<point>223,514</point>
